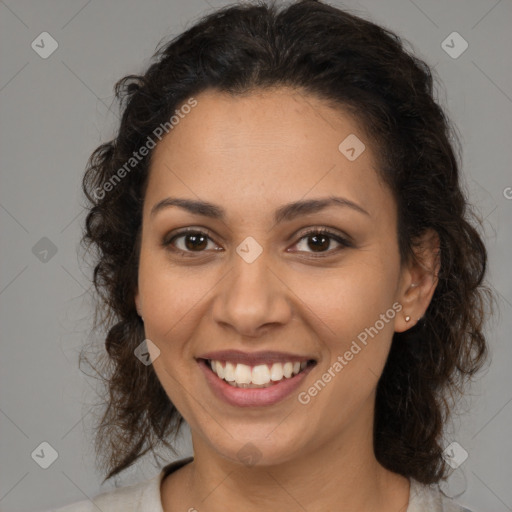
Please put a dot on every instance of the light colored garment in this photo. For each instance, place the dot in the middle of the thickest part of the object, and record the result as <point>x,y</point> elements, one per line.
<point>145,497</point>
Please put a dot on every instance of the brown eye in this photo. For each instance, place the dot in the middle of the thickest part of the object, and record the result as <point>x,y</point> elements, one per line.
<point>188,241</point>
<point>320,240</point>
<point>193,241</point>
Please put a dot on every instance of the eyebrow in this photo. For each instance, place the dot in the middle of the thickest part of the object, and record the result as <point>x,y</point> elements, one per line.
<point>286,212</point>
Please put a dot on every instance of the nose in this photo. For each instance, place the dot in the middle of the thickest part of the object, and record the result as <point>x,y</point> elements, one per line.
<point>252,298</point>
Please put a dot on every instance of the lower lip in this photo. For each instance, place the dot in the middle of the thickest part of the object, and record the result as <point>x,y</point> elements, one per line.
<point>252,397</point>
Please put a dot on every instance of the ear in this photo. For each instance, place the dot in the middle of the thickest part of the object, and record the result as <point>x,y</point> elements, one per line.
<point>419,280</point>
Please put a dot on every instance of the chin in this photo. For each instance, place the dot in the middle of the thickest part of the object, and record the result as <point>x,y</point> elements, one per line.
<point>257,445</point>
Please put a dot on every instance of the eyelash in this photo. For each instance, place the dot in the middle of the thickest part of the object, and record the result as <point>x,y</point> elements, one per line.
<point>168,243</point>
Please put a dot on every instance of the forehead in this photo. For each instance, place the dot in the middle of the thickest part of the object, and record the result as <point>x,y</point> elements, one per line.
<point>277,145</point>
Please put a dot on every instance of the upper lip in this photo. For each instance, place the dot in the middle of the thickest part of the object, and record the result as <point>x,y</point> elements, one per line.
<point>254,358</point>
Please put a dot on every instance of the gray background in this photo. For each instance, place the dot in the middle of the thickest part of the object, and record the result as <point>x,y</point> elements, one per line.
<point>55,111</point>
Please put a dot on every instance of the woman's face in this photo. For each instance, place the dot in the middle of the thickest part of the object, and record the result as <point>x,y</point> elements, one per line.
<point>257,283</point>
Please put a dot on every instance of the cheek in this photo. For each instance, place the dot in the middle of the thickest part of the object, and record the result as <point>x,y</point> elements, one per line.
<point>353,314</point>
<point>351,298</point>
<point>168,299</point>
<point>356,345</point>
<point>167,289</point>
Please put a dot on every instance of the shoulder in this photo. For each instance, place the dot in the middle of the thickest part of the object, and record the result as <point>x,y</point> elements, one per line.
<point>138,497</point>
<point>429,498</point>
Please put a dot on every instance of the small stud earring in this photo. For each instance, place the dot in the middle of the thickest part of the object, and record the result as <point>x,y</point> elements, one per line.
<point>407,318</point>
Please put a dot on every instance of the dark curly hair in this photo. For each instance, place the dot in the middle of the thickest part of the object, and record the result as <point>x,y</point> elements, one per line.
<point>363,68</point>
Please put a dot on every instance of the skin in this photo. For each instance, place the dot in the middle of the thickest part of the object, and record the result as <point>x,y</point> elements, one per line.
<point>250,155</point>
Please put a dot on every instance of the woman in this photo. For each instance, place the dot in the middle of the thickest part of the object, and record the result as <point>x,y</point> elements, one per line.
<point>285,262</point>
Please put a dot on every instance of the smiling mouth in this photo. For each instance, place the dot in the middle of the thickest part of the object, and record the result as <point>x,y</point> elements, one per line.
<point>241,375</point>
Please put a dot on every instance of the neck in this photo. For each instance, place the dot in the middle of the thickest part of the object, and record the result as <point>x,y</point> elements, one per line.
<point>342,474</point>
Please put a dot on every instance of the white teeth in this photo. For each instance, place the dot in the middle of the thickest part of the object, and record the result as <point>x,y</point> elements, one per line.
<point>276,373</point>
<point>219,369</point>
<point>229,372</point>
<point>260,374</point>
<point>242,374</point>
<point>263,375</point>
